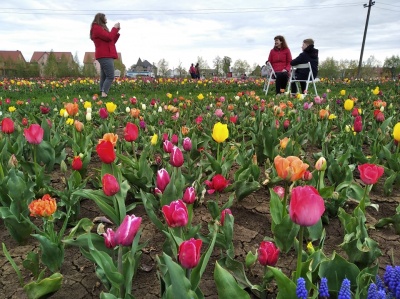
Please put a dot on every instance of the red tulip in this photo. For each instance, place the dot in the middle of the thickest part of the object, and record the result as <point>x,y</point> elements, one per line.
<point>286,124</point>
<point>110,184</point>
<point>223,214</point>
<point>370,173</point>
<point>44,109</point>
<point>306,206</point>
<point>218,183</point>
<point>109,238</point>
<point>105,150</point>
<point>189,253</point>
<point>233,119</point>
<point>176,157</point>
<point>127,231</point>
<point>24,121</point>
<point>131,132</point>
<point>176,214</point>
<point>162,179</point>
<point>307,176</point>
<point>354,112</point>
<point>358,126</point>
<point>189,196</point>
<point>268,253</point>
<point>103,113</point>
<point>34,134</point>
<point>7,125</point>
<point>77,163</point>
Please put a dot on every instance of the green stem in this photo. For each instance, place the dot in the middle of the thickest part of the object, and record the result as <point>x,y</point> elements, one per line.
<point>188,273</point>
<point>284,212</point>
<point>120,270</point>
<point>133,150</point>
<point>299,253</point>
<point>362,201</point>
<point>264,284</point>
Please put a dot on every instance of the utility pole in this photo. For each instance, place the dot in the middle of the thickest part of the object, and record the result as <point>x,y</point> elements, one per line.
<point>371,3</point>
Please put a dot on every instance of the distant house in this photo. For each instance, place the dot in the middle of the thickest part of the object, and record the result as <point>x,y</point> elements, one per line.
<point>142,68</point>
<point>177,73</point>
<point>208,73</point>
<point>41,58</point>
<point>8,61</point>
<point>89,58</point>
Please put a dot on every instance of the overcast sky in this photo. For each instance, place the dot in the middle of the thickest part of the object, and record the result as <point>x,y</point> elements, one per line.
<point>180,31</point>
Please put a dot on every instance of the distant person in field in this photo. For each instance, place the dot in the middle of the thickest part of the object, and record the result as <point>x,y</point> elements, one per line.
<point>192,71</point>
<point>197,68</point>
<point>105,51</point>
<point>309,54</point>
<point>280,58</point>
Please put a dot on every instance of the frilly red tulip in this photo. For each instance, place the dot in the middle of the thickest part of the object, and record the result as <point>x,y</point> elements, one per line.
<point>110,184</point>
<point>306,206</point>
<point>217,184</point>
<point>268,253</point>
<point>370,173</point>
<point>176,214</point>
<point>189,253</point>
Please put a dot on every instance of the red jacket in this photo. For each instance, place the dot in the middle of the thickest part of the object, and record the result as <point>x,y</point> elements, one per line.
<point>280,59</point>
<point>104,42</point>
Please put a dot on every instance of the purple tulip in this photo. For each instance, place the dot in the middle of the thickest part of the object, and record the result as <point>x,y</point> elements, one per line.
<point>127,231</point>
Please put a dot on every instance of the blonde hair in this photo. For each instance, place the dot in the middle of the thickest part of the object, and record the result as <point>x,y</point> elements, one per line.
<point>308,41</point>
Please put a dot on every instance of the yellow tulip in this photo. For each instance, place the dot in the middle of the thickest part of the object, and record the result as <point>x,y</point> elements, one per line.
<point>200,96</point>
<point>375,91</point>
<point>169,96</point>
<point>348,105</point>
<point>70,121</point>
<point>12,108</point>
<point>87,104</point>
<point>332,116</point>
<point>396,132</point>
<point>62,112</point>
<point>220,132</point>
<point>342,92</point>
<point>111,107</point>
<point>154,139</point>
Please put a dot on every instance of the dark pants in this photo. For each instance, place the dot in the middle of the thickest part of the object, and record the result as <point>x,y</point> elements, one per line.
<point>303,85</point>
<point>106,73</point>
<point>281,81</point>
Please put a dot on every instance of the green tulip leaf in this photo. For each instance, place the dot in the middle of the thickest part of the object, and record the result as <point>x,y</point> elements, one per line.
<point>227,286</point>
<point>245,188</point>
<point>286,287</point>
<point>45,287</point>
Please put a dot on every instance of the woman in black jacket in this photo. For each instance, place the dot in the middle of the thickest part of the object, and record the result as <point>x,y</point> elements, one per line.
<point>309,54</point>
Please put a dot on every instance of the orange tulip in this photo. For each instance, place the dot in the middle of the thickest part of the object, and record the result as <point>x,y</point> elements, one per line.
<point>290,168</point>
<point>323,114</point>
<point>284,142</point>
<point>113,138</point>
<point>78,125</point>
<point>184,130</point>
<point>72,108</point>
<point>231,107</point>
<point>43,207</point>
<point>135,112</point>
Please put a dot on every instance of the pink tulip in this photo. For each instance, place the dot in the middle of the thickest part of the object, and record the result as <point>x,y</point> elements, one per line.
<point>370,173</point>
<point>103,113</point>
<point>110,184</point>
<point>176,214</point>
<point>306,206</point>
<point>280,191</point>
<point>168,146</point>
<point>187,144</point>
<point>176,157</point>
<point>268,253</point>
<point>34,134</point>
<point>358,125</point>
<point>162,179</point>
<point>127,231</point>
<point>174,139</point>
<point>189,196</point>
<point>189,253</point>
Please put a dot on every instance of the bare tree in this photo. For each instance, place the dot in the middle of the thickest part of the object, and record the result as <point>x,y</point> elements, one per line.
<point>218,65</point>
<point>241,66</point>
<point>162,67</point>
<point>202,63</point>
<point>181,70</point>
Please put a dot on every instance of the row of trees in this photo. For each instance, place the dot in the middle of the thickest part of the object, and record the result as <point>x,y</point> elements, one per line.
<point>329,68</point>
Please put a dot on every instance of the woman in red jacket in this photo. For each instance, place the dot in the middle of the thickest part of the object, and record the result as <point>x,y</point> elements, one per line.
<point>105,51</point>
<point>280,58</point>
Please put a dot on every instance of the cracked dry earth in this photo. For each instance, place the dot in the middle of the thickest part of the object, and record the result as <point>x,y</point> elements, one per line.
<point>252,224</point>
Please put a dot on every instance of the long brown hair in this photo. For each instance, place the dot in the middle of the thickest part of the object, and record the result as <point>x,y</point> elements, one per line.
<point>282,39</point>
<point>99,19</point>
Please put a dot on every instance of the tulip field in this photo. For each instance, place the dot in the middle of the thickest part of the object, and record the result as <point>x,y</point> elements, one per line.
<point>182,188</point>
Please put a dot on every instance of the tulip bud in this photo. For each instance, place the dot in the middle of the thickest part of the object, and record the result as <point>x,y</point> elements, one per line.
<point>189,253</point>
<point>110,185</point>
<point>268,253</point>
<point>109,239</point>
<point>63,167</point>
<point>286,124</point>
<point>321,164</point>
<point>77,163</point>
<point>189,196</point>
<point>12,162</point>
<point>223,214</point>
<point>174,139</point>
<point>307,176</point>
<point>176,157</point>
<point>127,231</point>
<point>187,144</point>
<point>280,191</point>
<point>162,179</point>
